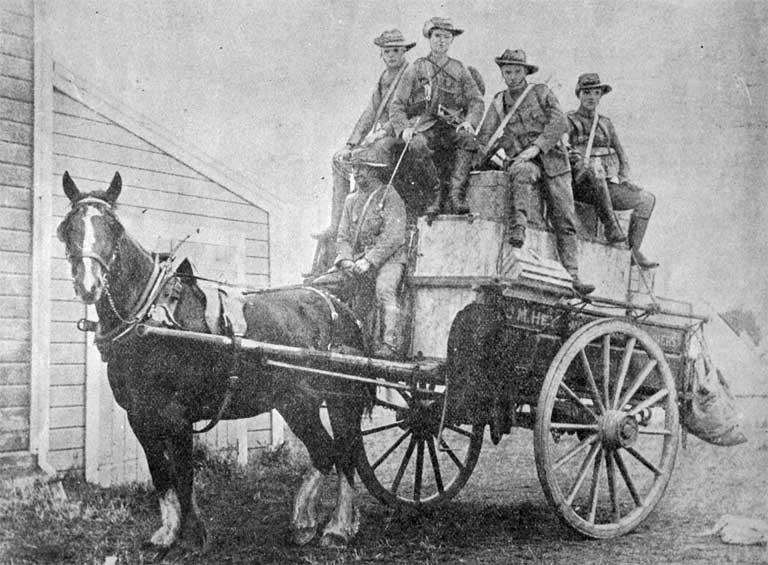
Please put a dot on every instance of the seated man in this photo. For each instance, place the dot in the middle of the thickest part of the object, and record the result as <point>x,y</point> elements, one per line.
<point>436,108</point>
<point>601,170</point>
<point>373,124</point>
<point>371,242</point>
<point>522,134</point>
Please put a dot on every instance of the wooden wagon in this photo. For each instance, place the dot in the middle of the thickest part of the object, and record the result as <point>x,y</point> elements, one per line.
<point>494,339</point>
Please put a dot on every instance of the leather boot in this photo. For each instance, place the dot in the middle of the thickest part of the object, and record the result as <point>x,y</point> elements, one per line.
<point>567,249</point>
<point>436,208</point>
<point>580,286</point>
<point>604,208</point>
<point>390,316</point>
<point>461,165</point>
<point>518,214</point>
<point>339,195</point>
<point>637,227</point>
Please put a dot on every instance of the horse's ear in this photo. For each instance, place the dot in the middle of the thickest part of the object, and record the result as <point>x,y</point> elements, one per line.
<point>185,268</point>
<point>114,188</point>
<point>70,189</point>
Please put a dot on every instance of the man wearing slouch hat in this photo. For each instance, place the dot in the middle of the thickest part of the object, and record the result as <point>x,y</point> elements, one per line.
<point>436,108</point>
<point>373,126</point>
<point>521,134</point>
<point>602,178</point>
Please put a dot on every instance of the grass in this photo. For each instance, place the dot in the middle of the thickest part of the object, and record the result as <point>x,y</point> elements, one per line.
<point>500,517</point>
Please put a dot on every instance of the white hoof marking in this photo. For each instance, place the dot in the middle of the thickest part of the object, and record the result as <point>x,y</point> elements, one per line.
<point>170,513</point>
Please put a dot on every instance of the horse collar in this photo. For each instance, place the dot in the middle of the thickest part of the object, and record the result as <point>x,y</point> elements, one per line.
<point>160,274</point>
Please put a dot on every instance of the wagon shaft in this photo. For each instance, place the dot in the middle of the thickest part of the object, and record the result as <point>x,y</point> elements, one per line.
<point>392,374</point>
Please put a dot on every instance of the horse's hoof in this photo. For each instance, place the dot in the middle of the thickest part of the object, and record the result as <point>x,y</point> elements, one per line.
<point>302,536</point>
<point>334,541</point>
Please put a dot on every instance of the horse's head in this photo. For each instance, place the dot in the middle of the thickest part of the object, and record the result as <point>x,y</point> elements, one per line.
<point>91,233</point>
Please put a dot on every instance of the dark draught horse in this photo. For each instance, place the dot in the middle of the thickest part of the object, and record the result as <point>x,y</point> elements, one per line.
<point>166,385</point>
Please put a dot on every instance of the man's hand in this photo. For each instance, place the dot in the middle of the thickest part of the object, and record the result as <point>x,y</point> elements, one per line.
<point>375,135</point>
<point>346,153</point>
<point>528,154</point>
<point>466,126</point>
<point>346,264</point>
<point>407,134</point>
<point>361,266</point>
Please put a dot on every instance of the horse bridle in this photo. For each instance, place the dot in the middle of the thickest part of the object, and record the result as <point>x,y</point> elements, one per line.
<point>106,265</point>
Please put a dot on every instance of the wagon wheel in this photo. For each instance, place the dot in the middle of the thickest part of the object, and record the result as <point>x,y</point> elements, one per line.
<point>607,428</point>
<point>401,462</point>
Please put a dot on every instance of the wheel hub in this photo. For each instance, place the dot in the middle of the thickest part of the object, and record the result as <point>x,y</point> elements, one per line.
<point>618,429</point>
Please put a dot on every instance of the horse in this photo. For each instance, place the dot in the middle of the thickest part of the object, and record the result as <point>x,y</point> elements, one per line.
<point>165,385</point>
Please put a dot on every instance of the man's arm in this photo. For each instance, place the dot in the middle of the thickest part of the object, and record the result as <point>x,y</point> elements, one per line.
<point>620,153</point>
<point>471,93</point>
<point>343,241</point>
<point>557,123</point>
<point>392,236</point>
<point>490,123</point>
<point>365,121</point>
<point>398,117</point>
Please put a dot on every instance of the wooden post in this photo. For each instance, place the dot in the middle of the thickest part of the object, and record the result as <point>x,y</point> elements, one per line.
<point>40,310</point>
<point>94,374</point>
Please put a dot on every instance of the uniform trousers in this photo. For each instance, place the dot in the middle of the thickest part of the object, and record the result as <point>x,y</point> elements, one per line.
<point>526,176</point>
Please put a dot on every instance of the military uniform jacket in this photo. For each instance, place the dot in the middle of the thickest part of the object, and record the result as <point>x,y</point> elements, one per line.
<point>382,233</point>
<point>426,85</point>
<point>366,121</point>
<point>537,121</point>
<point>606,146</point>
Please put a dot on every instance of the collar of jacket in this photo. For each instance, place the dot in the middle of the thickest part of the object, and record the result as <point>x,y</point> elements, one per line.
<point>584,113</point>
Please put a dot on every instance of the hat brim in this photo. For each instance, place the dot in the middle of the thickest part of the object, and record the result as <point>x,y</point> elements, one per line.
<point>407,46</point>
<point>530,69</point>
<point>454,31</point>
<point>606,88</point>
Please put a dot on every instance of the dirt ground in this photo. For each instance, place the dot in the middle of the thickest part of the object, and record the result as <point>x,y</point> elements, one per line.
<point>501,516</point>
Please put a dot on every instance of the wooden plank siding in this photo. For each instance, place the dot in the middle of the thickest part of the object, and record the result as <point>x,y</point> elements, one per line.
<point>163,200</point>
<point>16,94</point>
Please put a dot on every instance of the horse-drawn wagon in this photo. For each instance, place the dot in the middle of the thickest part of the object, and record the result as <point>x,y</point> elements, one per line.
<point>494,338</point>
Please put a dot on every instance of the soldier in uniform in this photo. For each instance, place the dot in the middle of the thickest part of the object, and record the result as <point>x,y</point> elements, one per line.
<point>436,108</point>
<point>373,126</point>
<point>604,181</point>
<point>522,133</point>
<point>371,239</point>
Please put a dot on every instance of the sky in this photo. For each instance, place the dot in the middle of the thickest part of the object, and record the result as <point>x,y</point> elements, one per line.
<point>272,89</point>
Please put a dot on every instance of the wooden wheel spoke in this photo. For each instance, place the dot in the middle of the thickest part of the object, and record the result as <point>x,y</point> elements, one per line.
<point>452,455</point>
<point>654,431</point>
<point>640,457</point>
<point>382,428</point>
<point>648,402</point>
<point>638,382</point>
<point>628,350</point>
<point>391,405</point>
<point>435,465</point>
<point>595,393</point>
<point>607,368</point>
<point>627,478</point>
<point>458,430</point>
<point>568,426</point>
<point>611,472</point>
<point>594,492</point>
<point>585,465</point>
<point>403,465</point>
<point>573,397</point>
<point>419,470</point>
<point>389,451</point>
<point>574,452</point>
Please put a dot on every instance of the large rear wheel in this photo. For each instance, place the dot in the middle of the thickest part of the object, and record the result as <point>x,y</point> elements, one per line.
<point>607,428</point>
<point>403,463</point>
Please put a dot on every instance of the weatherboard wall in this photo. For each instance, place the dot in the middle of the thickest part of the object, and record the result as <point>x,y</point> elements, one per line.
<point>56,407</point>
<point>16,155</point>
